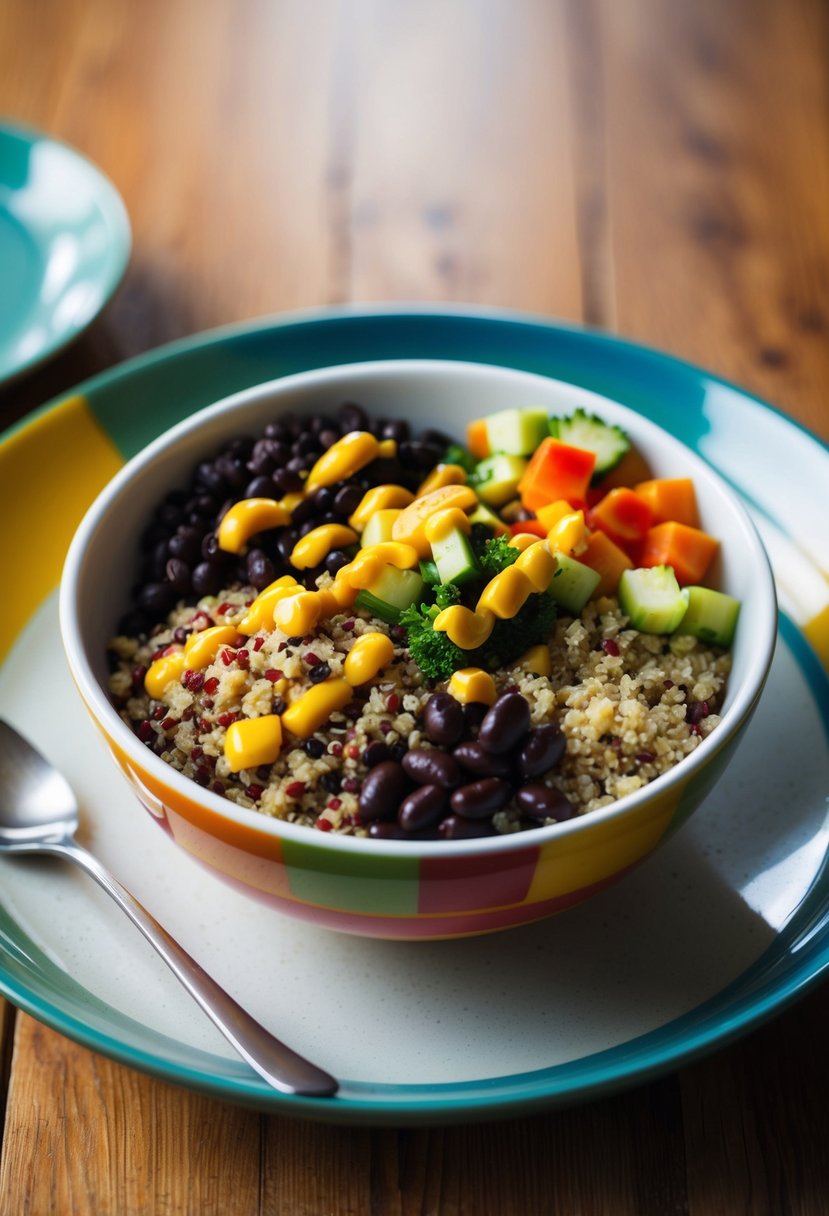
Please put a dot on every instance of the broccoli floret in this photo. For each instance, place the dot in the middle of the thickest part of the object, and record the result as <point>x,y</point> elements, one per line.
<point>447,594</point>
<point>435,654</point>
<point>495,554</point>
<point>532,624</point>
<point>455,454</point>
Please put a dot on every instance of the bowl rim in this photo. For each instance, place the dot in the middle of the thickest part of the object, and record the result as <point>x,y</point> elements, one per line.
<point>101,708</point>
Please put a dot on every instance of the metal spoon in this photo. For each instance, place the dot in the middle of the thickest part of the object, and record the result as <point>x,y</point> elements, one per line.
<point>39,814</point>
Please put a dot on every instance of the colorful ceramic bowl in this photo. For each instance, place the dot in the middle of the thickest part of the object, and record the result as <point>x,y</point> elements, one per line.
<point>401,889</point>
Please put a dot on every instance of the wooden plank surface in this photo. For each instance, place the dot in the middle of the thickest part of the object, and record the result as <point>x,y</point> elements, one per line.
<point>655,167</point>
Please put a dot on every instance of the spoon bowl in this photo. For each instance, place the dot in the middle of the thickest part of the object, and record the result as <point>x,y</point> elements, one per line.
<point>39,814</point>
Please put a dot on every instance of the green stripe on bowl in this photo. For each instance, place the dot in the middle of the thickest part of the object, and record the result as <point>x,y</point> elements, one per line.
<point>349,882</point>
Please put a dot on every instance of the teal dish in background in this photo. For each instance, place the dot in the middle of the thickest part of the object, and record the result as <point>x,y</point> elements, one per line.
<point>64,246</point>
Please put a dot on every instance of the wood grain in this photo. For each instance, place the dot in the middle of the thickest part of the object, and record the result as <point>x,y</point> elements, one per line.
<point>653,167</point>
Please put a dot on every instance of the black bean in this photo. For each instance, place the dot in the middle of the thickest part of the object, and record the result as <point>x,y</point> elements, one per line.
<point>156,564</point>
<point>347,500</point>
<point>399,750</point>
<point>330,781</point>
<point>375,753</point>
<point>314,747</point>
<point>232,469</point>
<point>439,438</point>
<point>303,512</point>
<point>286,482</point>
<point>443,718</point>
<point>455,827</point>
<point>378,830</point>
<point>319,673</point>
<point>475,759</point>
<point>481,798</point>
<point>210,477</point>
<point>323,499</point>
<point>429,766</point>
<point>395,428</point>
<point>284,541</point>
<point>335,561</point>
<point>352,417</point>
<point>541,750</point>
<point>260,570</point>
<point>320,422</point>
<point>178,576</point>
<point>156,599</point>
<point>210,550</point>
<point>383,790</point>
<point>328,438</point>
<point>278,429</point>
<point>260,487</point>
<point>297,464</point>
<point>474,713</point>
<point>186,544</point>
<point>415,454</point>
<point>505,724</point>
<point>207,578</point>
<point>306,445</point>
<point>423,808</point>
<point>540,802</point>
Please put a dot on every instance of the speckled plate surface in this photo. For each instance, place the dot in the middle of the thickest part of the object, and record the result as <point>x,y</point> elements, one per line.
<point>64,245</point>
<point>718,930</point>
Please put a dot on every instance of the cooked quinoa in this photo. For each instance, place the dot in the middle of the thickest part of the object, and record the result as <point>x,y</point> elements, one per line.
<point>631,705</point>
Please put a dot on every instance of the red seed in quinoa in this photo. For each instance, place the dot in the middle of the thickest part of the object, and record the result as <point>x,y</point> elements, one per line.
<point>193,681</point>
<point>273,674</point>
<point>334,804</point>
<point>243,659</point>
<point>311,659</point>
<point>211,684</point>
<point>295,789</point>
<point>324,825</point>
<point>258,643</point>
<point>393,703</point>
<point>227,657</point>
<point>159,712</point>
<point>644,757</point>
<point>255,792</point>
<point>335,748</point>
<point>145,731</point>
<point>169,723</point>
<point>227,719</point>
<point>611,646</point>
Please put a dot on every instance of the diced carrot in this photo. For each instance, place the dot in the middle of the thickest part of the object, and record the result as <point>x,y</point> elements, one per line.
<point>556,470</point>
<point>670,498</point>
<point>624,517</point>
<point>528,525</point>
<point>476,439</point>
<point>689,550</point>
<point>607,559</point>
<point>631,469</point>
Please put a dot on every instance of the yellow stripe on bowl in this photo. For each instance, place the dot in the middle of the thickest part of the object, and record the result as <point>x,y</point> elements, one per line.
<point>50,471</point>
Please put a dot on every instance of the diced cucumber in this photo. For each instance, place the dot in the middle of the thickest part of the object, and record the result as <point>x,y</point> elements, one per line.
<point>379,527</point>
<point>572,584</point>
<point>710,615</point>
<point>652,599</point>
<point>454,558</point>
<point>583,430</point>
<point>483,515</point>
<point>517,432</point>
<point>391,592</point>
<point>496,478</point>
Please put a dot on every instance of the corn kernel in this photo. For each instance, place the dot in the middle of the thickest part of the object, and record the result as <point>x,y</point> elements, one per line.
<point>505,594</point>
<point>442,475</point>
<point>464,627</point>
<point>200,649</point>
<point>539,565</point>
<point>552,512</point>
<point>316,706</point>
<point>439,525</point>
<point>260,613</point>
<point>246,518</point>
<point>379,498</point>
<point>369,654</point>
<point>365,567</point>
<point>410,523</point>
<point>298,613</point>
<point>253,741</point>
<point>314,546</point>
<point>569,535</point>
<point>163,672</point>
<point>473,684</point>
<point>343,459</point>
<point>523,540</point>
<point>291,501</point>
<point>387,449</point>
<point>536,661</point>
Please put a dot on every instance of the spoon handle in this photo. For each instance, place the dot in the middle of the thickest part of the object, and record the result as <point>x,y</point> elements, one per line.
<point>281,1067</point>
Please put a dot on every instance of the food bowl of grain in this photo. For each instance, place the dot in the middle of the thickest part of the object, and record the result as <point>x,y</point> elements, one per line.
<point>418,649</point>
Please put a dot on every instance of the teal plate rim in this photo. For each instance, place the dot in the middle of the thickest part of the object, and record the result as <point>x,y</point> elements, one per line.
<point>113,214</point>
<point>192,372</point>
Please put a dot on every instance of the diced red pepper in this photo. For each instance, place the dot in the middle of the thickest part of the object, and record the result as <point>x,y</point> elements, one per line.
<point>625,518</point>
<point>476,439</point>
<point>557,470</point>
<point>534,526</point>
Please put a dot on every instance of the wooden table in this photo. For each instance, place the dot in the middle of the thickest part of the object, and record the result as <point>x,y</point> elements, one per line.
<point>653,167</point>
